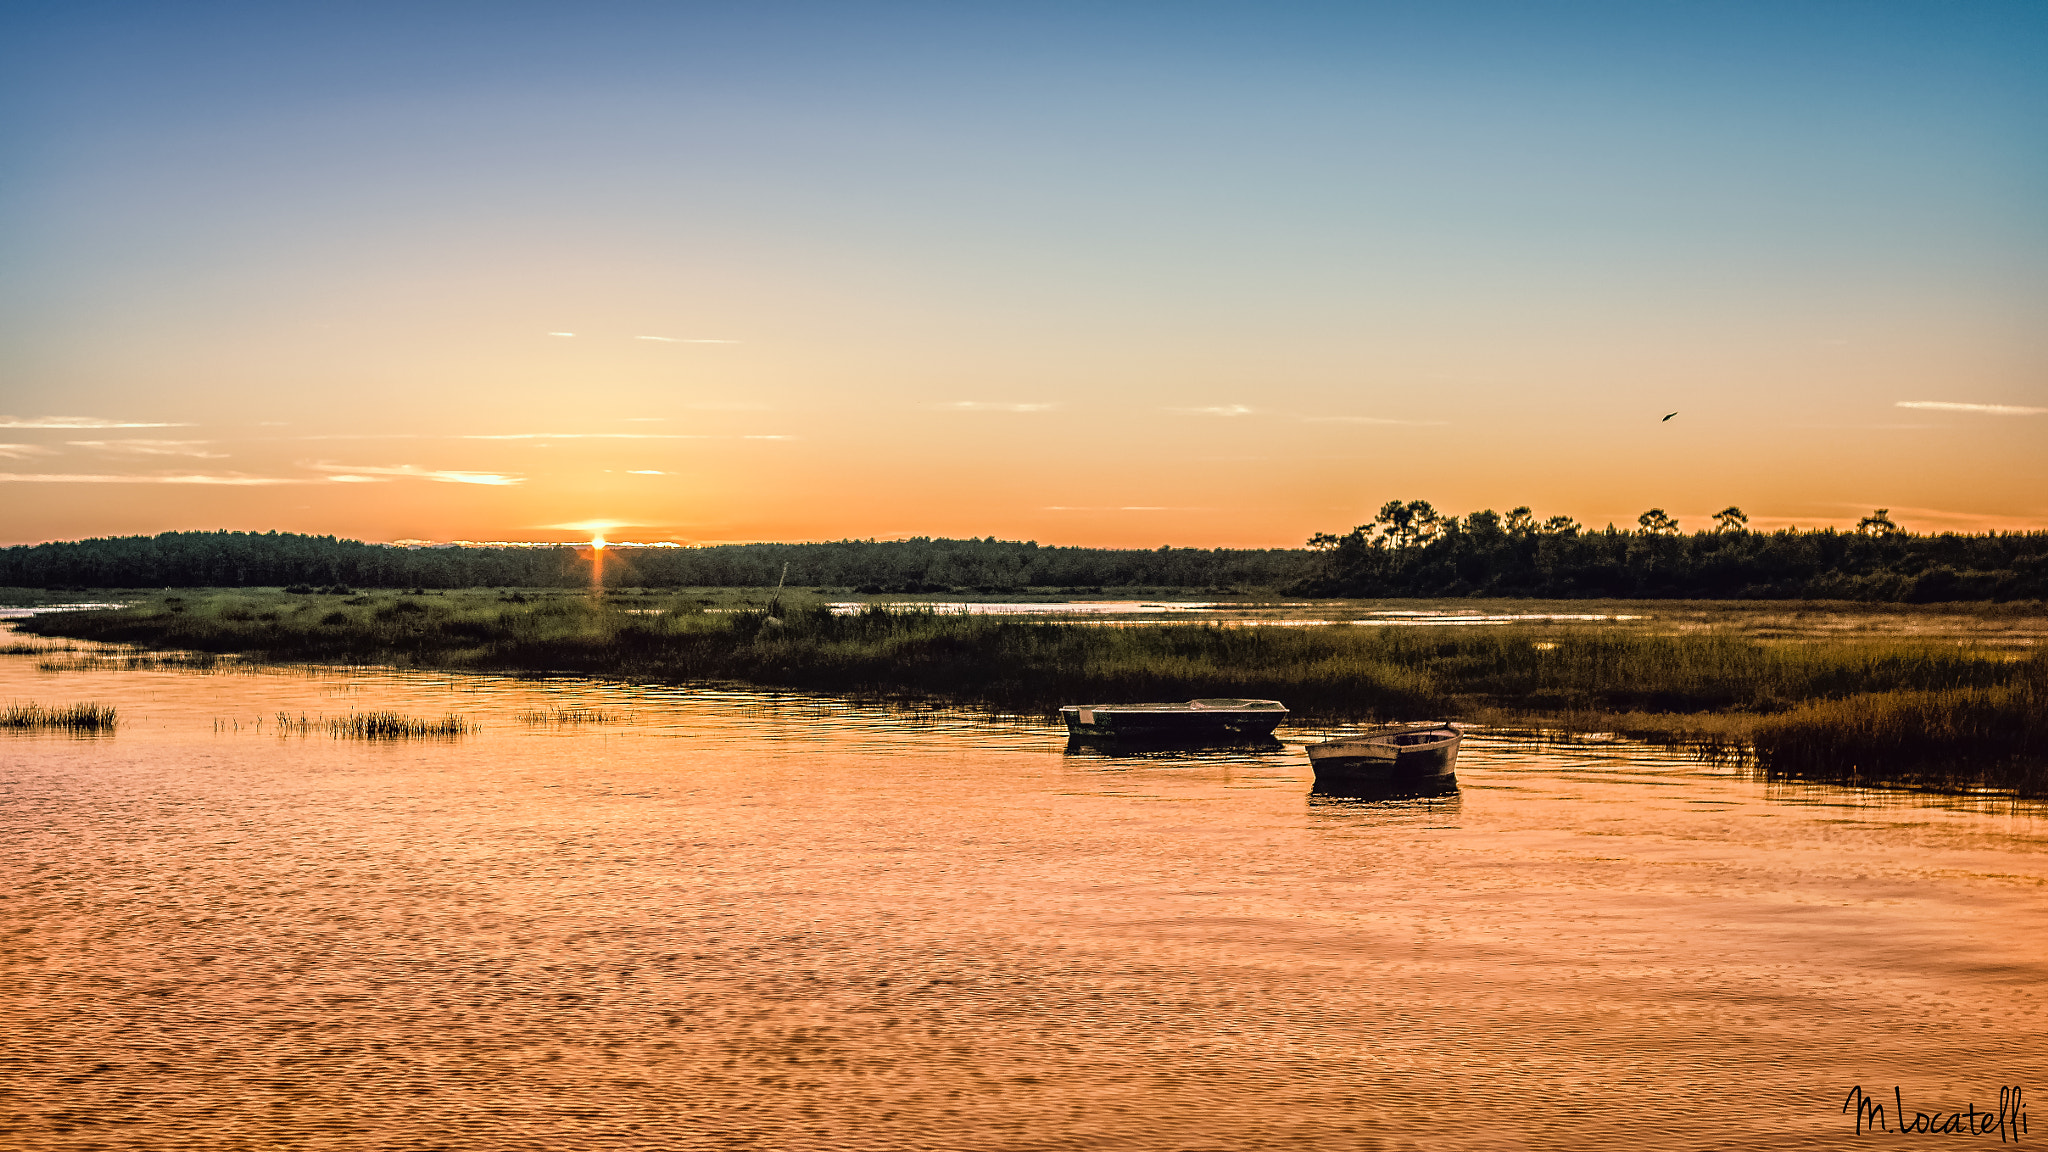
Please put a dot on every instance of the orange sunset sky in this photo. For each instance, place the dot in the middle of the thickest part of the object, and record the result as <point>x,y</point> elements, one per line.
<point>1112,274</point>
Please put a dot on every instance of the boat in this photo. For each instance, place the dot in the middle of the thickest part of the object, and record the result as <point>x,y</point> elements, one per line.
<point>1190,722</point>
<point>1405,759</point>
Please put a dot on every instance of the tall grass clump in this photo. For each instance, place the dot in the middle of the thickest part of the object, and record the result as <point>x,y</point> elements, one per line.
<point>87,717</point>
<point>1965,737</point>
<point>375,726</point>
<point>546,716</point>
<point>396,726</point>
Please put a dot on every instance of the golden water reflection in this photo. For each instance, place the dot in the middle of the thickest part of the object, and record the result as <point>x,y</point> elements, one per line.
<point>732,918</point>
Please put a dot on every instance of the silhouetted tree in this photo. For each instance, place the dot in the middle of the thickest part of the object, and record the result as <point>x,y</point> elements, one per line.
<point>1656,523</point>
<point>1408,525</point>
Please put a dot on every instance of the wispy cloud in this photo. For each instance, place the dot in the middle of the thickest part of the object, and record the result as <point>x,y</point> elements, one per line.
<point>79,422</point>
<point>1869,427</point>
<point>1368,420</point>
<point>585,436</point>
<point>1934,519</point>
<point>994,406</point>
<point>684,340</point>
<point>561,333</point>
<point>233,480</point>
<point>1985,409</point>
<point>366,474</point>
<point>151,447</point>
<point>591,525</point>
<point>774,437</point>
<point>645,472</point>
<point>1218,410</point>
<point>24,451</point>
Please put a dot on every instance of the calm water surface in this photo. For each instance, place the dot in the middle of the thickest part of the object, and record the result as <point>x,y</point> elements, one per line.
<point>749,919</point>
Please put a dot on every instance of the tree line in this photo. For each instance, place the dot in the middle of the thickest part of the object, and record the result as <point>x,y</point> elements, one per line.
<point>1408,549</point>
<point>919,564</point>
<point>1411,549</point>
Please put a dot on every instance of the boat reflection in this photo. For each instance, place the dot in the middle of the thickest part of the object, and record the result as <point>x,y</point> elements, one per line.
<point>1389,790</point>
<point>1426,810</point>
<point>1163,748</point>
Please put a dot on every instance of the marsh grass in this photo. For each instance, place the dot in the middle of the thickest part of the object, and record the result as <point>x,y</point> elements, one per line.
<point>374,726</point>
<point>141,662</point>
<point>87,717</point>
<point>1882,704</point>
<point>546,716</point>
<point>35,649</point>
<point>1961,738</point>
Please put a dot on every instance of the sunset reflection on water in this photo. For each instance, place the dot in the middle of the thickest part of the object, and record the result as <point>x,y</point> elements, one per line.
<point>730,918</point>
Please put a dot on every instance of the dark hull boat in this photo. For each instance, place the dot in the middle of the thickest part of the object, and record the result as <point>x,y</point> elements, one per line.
<point>1194,722</point>
<point>1405,761</point>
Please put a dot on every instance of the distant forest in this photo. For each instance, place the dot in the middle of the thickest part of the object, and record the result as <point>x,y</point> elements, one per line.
<point>1409,549</point>
<point>921,564</point>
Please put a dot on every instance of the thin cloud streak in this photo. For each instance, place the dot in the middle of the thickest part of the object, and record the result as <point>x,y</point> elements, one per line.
<point>1218,410</point>
<point>357,474</point>
<point>1370,420</point>
<point>151,448</point>
<point>591,525</point>
<point>585,436</point>
<point>1985,409</point>
<point>24,451</point>
<point>618,436</point>
<point>512,436</point>
<point>232,481</point>
<point>79,422</point>
<point>1974,521</point>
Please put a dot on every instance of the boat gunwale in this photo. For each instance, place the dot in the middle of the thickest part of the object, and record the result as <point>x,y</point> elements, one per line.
<point>1184,708</point>
<point>1389,738</point>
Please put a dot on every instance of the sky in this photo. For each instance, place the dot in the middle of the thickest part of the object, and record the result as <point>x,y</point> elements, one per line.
<point>1115,274</point>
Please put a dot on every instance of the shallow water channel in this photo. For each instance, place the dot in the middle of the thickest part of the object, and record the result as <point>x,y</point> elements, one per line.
<point>755,919</point>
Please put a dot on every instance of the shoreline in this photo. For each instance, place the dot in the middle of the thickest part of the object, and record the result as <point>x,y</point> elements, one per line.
<point>1954,708</point>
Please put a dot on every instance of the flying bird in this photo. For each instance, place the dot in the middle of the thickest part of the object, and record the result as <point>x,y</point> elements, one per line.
<point>1667,417</point>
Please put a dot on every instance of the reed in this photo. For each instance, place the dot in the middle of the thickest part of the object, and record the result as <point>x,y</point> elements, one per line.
<point>87,717</point>
<point>547,716</point>
<point>375,726</point>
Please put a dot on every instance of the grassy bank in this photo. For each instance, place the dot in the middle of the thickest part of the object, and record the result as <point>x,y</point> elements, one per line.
<point>1810,706</point>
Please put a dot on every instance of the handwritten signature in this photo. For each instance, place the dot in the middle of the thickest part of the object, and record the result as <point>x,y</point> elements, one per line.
<point>2010,1121</point>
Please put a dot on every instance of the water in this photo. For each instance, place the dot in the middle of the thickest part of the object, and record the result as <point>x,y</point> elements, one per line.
<point>749,919</point>
<point>1298,614</point>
